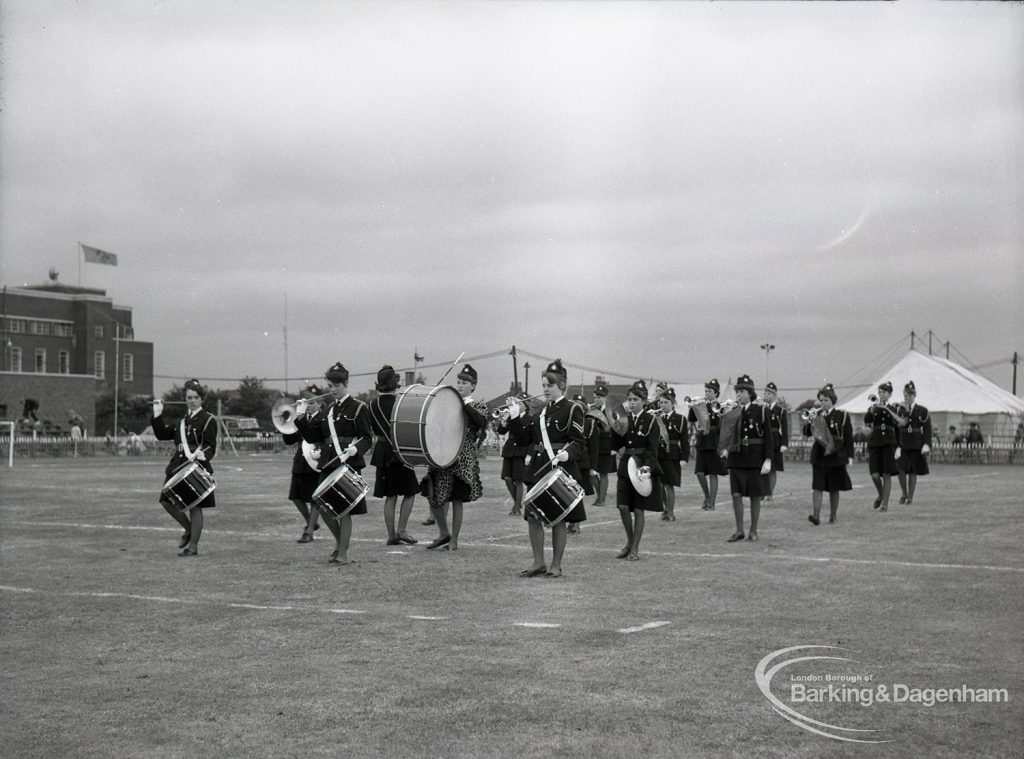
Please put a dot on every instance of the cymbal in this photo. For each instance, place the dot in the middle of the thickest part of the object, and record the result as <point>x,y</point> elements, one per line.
<point>616,414</point>
<point>642,485</point>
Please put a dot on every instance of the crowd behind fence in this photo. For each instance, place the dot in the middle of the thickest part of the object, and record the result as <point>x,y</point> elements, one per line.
<point>994,451</point>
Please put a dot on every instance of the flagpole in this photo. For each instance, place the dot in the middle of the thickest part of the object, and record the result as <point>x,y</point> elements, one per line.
<point>81,254</point>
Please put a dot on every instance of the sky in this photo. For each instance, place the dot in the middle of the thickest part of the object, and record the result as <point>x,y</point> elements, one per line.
<point>645,190</point>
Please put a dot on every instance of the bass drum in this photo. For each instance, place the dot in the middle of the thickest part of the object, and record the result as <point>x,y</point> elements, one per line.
<point>427,425</point>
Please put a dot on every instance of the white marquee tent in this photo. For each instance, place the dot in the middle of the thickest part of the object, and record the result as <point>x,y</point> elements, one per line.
<point>953,394</point>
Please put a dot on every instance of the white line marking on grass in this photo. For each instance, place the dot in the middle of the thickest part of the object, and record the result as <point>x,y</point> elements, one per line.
<point>536,624</point>
<point>12,589</point>
<point>346,611</point>
<point>257,606</point>
<point>132,596</point>
<point>641,628</point>
<point>429,619</point>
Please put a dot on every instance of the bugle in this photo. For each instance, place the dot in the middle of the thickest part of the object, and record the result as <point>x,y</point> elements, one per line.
<point>496,413</point>
<point>283,413</point>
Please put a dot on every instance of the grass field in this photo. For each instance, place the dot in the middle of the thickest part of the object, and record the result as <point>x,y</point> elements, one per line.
<point>114,647</point>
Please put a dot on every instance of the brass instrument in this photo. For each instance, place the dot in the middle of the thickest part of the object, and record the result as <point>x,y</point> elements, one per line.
<point>812,413</point>
<point>815,418</point>
<point>283,413</point>
<point>496,413</point>
<point>724,407</point>
<point>699,406</point>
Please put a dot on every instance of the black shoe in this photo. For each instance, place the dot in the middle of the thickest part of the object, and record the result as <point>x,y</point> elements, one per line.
<point>393,542</point>
<point>813,520</point>
<point>185,540</point>
<point>409,541</point>
<point>188,552</point>
<point>878,502</point>
<point>735,537</point>
<point>428,521</point>
<point>306,538</point>
<point>903,499</point>
<point>439,542</point>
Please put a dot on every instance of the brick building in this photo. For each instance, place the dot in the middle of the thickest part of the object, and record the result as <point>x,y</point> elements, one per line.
<point>65,346</point>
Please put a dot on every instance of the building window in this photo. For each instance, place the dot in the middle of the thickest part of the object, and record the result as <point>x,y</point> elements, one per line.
<point>64,362</point>
<point>40,328</point>
<point>129,368</point>
<point>64,330</point>
<point>40,360</point>
<point>15,325</point>
<point>99,360</point>
<point>15,358</point>
<point>97,330</point>
<point>127,333</point>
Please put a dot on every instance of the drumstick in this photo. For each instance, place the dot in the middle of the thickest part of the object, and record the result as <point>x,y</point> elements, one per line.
<point>450,368</point>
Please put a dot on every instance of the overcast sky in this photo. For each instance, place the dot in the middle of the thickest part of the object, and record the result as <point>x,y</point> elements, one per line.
<point>651,189</point>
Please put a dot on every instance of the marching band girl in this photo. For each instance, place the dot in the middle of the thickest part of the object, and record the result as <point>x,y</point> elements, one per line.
<point>305,475</point>
<point>196,438</point>
<point>555,438</point>
<point>605,463</point>
<point>779,419</point>
<point>915,442</point>
<point>343,433</point>
<point>394,478</point>
<point>828,471</point>
<point>640,439</point>
<point>749,455</point>
<point>673,450</point>
<point>884,420</point>
<point>460,481</point>
<point>708,463</point>
<point>513,461</point>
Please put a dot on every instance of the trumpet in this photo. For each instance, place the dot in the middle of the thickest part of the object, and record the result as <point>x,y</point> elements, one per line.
<point>724,407</point>
<point>873,399</point>
<point>496,413</point>
<point>812,413</point>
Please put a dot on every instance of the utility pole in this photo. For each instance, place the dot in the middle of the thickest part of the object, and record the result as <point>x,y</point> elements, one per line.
<point>1014,362</point>
<point>515,369</point>
<point>767,348</point>
<point>526,366</point>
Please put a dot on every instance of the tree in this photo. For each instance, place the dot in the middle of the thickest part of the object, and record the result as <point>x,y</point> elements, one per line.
<point>252,399</point>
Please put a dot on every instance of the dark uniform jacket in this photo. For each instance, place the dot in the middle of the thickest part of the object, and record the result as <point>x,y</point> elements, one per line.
<point>779,419</point>
<point>918,431</point>
<point>754,443</point>
<point>841,429</point>
<point>563,420</point>
<point>380,422</point>
<point>351,420</point>
<point>641,440</point>
<point>511,449</point>
<point>884,430</point>
<point>707,441</point>
<point>200,432</point>
<point>678,445</point>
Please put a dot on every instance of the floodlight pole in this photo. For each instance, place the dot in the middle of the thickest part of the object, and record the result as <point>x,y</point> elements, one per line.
<point>767,348</point>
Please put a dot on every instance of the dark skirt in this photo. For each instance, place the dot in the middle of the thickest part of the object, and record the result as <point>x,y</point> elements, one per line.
<point>882,460</point>
<point>626,495</point>
<point>832,479</point>
<point>395,479</point>
<point>778,462</point>
<point>747,483</point>
<point>606,464</point>
<point>709,462</point>
<point>913,462</point>
<point>302,487</point>
<point>671,472</point>
<point>586,481</point>
<point>513,468</point>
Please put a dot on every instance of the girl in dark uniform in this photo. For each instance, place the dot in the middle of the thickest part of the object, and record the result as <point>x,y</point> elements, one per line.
<point>829,471</point>
<point>779,417</point>
<point>708,463</point>
<point>639,440</point>
<point>305,475</point>
<point>460,481</point>
<point>749,455</point>
<point>554,438</point>
<point>394,478</point>
<point>513,461</point>
<point>605,464</point>
<point>672,451</point>
<point>884,421</point>
<point>915,443</point>
<point>196,437</point>
<point>343,433</point>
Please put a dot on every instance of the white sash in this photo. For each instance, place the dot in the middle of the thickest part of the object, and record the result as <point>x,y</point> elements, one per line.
<point>544,436</point>
<point>189,453</point>
<point>334,433</point>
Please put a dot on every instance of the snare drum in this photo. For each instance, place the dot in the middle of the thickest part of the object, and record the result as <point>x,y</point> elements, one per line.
<point>187,487</point>
<point>340,492</point>
<point>427,425</point>
<point>553,497</point>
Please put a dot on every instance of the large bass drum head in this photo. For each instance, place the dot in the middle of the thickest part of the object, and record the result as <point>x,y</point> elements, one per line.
<point>444,426</point>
